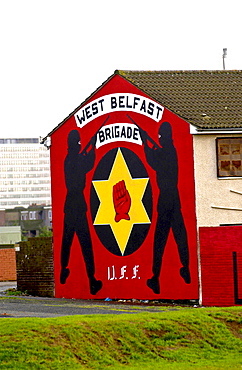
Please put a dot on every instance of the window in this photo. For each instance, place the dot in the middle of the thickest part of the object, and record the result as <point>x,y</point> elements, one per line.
<point>32,215</point>
<point>229,157</point>
<point>24,215</point>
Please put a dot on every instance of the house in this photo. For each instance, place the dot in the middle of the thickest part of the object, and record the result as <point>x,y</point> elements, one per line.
<point>146,185</point>
<point>31,219</point>
<point>34,218</point>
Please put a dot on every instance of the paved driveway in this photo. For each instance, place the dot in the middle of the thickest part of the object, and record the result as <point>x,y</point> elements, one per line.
<point>54,307</point>
<point>15,307</point>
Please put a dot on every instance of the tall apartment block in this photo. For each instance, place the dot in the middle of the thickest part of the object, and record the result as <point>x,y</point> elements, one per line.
<point>24,173</point>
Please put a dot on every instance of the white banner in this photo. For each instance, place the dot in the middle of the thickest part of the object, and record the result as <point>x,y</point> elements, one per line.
<point>118,132</point>
<point>118,102</point>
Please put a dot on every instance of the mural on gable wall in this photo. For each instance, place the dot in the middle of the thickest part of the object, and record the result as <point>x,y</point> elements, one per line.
<point>123,200</point>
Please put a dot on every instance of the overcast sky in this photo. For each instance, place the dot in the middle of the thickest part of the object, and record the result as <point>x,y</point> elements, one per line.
<point>54,54</point>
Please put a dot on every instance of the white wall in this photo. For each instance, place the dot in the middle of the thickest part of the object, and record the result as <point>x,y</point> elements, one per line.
<point>211,191</point>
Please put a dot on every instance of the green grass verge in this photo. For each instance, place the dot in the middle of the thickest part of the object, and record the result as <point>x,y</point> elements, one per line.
<point>202,338</point>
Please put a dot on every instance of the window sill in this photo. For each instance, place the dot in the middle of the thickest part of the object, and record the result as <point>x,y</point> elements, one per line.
<point>230,178</point>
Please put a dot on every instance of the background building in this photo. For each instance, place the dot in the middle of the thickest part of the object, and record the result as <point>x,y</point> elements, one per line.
<point>32,221</point>
<point>24,173</point>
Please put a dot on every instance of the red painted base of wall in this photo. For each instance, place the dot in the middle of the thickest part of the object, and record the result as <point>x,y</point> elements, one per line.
<point>7,264</point>
<point>221,265</point>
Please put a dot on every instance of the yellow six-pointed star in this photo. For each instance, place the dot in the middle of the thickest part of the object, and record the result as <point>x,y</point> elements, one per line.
<point>106,211</point>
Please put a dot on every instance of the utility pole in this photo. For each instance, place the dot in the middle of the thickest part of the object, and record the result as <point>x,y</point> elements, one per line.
<point>224,56</point>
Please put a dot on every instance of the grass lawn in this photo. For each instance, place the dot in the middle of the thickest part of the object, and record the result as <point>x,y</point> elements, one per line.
<point>197,338</point>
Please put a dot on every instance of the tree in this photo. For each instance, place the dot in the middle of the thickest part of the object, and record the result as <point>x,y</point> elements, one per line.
<point>45,231</point>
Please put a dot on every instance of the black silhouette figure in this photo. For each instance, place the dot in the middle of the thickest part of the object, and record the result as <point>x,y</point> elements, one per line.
<point>77,165</point>
<point>163,159</point>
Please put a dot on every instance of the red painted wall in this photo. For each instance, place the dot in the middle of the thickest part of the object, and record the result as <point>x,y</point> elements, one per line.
<point>221,265</point>
<point>124,276</point>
